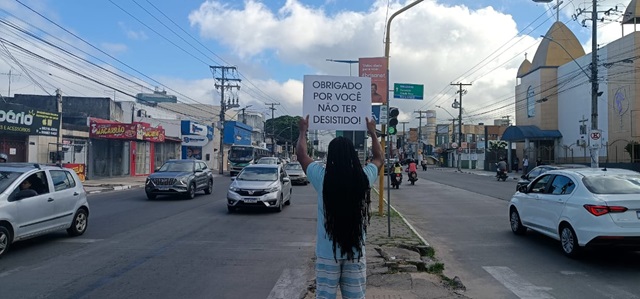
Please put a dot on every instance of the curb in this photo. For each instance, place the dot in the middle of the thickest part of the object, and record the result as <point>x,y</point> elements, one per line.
<point>424,242</point>
<point>113,188</point>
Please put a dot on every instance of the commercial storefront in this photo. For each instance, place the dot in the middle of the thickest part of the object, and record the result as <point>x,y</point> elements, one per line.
<point>197,141</point>
<point>17,123</point>
<point>119,149</point>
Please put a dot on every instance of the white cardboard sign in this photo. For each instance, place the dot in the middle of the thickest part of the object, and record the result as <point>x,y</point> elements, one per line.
<point>337,102</point>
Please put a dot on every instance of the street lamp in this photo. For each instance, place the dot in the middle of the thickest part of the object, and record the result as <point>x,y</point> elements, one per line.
<point>350,62</point>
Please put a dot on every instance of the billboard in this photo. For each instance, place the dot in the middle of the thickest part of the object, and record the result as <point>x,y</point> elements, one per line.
<point>20,119</point>
<point>376,69</point>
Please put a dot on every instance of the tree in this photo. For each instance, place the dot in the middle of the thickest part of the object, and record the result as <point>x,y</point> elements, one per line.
<point>498,147</point>
<point>633,148</point>
<point>284,129</point>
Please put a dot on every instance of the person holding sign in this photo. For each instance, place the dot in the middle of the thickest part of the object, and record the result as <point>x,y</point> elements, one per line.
<point>342,212</point>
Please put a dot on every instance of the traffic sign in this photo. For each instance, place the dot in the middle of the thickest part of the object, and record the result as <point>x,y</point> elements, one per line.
<point>408,91</point>
<point>595,135</point>
<point>384,115</point>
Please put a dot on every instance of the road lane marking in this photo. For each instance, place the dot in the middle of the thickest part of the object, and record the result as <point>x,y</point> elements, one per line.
<point>81,241</point>
<point>9,272</point>
<point>291,284</point>
<point>518,285</point>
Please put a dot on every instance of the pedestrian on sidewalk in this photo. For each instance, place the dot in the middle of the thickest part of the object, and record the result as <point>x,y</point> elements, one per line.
<point>342,215</point>
<point>516,164</point>
<point>525,164</point>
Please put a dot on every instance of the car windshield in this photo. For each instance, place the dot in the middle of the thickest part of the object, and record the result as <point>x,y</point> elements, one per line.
<point>6,178</point>
<point>613,184</point>
<point>177,167</point>
<point>241,155</point>
<point>293,166</point>
<point>258,174</point>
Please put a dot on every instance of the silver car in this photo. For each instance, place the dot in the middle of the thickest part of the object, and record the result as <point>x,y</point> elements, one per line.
<point>260,185</point>
<point>37,199</point>
<point>295,172</point>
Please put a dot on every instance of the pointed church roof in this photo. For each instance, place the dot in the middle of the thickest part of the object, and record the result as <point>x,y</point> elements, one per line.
<point>524,68</point>
<point>562,48</point>
<point>632,13</point>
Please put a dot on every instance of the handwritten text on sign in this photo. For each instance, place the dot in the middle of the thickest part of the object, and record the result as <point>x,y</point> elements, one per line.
<point>337,102</point>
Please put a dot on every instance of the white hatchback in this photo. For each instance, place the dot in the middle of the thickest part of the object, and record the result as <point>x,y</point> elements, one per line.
<point>581,207</point>
<point>38,199</point>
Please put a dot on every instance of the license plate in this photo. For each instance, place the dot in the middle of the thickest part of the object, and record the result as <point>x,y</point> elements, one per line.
<point>250,200</point>
<point>163,188</point>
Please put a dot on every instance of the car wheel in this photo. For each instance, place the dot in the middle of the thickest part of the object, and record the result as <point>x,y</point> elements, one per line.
<point>151,196</point>
<point>5,240</point>
<point>191,192</point>
<point>516,225</point>
<point>288,203</point>
<point>231,209</point>
<point>209,189</point>
<point>79,223</point>
<point>569,241</point>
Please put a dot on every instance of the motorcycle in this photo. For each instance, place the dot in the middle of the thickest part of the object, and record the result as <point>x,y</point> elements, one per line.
<point>396,180</point>
<point>413,177</point>
<point>501,175</point>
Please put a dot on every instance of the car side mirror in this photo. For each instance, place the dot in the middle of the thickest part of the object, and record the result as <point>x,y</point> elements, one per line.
<point>286,180</point>
<point>233,178</point>
<point>522,189</point>
<point>156,170</point>
<point>25,194</point>
<point>524,176</point>
<point>199,170</point>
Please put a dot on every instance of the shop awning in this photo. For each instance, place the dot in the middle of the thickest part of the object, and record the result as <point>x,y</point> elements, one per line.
<point>520,133</point>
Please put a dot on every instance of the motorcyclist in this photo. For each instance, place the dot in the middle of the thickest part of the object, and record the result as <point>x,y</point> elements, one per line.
<point>412,169</point>
<point>397,172</point>
<point>3,158</point>
<point>502,167</point>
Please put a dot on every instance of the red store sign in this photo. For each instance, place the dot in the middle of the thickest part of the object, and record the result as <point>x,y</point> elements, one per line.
<point>152,134</point>
<point>99,128</point>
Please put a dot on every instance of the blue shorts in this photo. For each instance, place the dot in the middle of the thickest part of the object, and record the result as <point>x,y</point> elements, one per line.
<point>351,276</point>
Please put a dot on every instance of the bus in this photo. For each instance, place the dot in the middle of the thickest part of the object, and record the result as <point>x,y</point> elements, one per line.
<point>243,155</point>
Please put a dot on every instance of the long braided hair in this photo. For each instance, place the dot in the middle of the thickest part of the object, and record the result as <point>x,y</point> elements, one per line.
<point>343,195</point>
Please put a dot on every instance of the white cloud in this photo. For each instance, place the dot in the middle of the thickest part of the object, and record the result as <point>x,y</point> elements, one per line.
<point>132,34</point>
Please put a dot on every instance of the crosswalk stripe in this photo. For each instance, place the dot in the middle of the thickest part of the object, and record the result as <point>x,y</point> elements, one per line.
<point>516,284</point>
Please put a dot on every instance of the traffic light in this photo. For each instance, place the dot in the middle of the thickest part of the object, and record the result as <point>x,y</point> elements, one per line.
<point>393,120</point>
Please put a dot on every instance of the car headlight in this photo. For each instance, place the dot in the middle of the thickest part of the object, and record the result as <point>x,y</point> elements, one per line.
<point>273,189</point>
<point>184,180</point>
<point>234,189</point>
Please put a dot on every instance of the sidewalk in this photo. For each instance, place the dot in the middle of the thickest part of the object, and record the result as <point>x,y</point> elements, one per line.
<point>512,175</point>
<point>110,184</point>
<point>403,265</point>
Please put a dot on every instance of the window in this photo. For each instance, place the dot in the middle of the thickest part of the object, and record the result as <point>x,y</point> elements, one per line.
<point>71,179</point>
<point>562,185</point>
<point>203,166</point>
<point>61,180</point>
<point>540,185</point>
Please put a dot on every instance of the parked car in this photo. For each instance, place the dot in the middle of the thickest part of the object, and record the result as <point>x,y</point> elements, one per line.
<point>581,207</point>
<point>269,160</point>
<point>38,199</point>
<point>296,174</point>
<point>260,185</point>
<point>180,177</point>
<point>525,179</point>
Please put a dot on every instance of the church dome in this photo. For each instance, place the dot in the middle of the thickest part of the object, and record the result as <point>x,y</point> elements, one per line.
<point>632,13</point>
<point>524,68</point>
<point>562,48</point>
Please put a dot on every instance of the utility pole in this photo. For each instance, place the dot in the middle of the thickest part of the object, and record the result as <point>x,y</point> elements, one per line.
<point>59,140</point>
<point>244,117</point>
<point>459,107</point>
<point>9,74</point>
<point>222,84</point>
<point>273,127</point>
<point>508,119</point>
<point>420,117</point>
<point>404,138</point>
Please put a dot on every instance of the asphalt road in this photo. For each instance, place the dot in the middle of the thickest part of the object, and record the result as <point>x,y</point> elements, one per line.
<point>464,217</point>
<point>169,248</point>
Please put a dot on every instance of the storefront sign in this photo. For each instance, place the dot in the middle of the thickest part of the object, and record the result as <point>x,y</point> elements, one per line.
<point>188,127</point>
<point>115,130</point>
<point>80,169</point>
<point>16,118</point>
<point>154,134</point>
<point>194,140</point>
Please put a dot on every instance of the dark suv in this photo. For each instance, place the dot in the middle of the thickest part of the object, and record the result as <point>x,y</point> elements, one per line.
<point>180,177</point>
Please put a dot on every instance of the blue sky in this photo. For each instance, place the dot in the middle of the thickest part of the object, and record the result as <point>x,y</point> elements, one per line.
<point>274,43</point>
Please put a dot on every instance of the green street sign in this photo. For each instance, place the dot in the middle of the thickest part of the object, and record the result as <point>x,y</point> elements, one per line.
<point>408,91</point>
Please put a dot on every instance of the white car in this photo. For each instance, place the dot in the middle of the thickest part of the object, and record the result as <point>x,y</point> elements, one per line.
<point>38,199</point>
<point>261,186</point>
<point>581,207</point>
